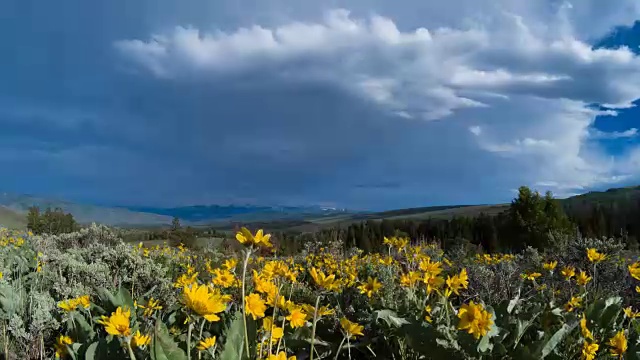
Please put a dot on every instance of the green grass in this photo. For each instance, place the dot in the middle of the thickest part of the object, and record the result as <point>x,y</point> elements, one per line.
<point>12,219</point>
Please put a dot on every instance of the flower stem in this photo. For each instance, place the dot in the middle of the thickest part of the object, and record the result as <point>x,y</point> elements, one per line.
<point>273,320</point>
<point>244,306</point>
<point>131,355</point>
<point>313,328</point>
<point>200,336</point>
<point>189,340</point>
<point>340,347</point>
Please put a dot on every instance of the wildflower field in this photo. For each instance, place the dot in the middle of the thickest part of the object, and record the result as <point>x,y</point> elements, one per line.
<point>88,295</point>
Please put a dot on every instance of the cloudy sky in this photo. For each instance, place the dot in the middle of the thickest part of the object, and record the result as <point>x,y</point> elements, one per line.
<point>370,104</point>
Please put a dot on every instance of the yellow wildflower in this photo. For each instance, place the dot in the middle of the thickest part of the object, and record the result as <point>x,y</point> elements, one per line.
<point>370,287</point>
<point>244,236</point>
<point>573,304</point>
<point>583,279</point>
<point>428,310</point>
<point>634,270</point>
<point>276,332</point>
<point>139,340</point>
<point>224,278</point>
<point>350,328</point>
<point>429,267</point>
<point>118,324</point>
<point>628,312</point>
<point>204,302</point>
<point>326,282</point>
<point>457,282</point>
<point>206,343</point>
<point>432,282</point>
<point>532,276</point>
<point>230,264</point>
<point>589,350</point>
<point>84,301</point>
<point>281,356</point>
<point>61,346</point>
<point>186,280</point>
<point>584,330</point>
<point>568,272</point>
<point>151,306</point>
<point>322,310</point>
<point>594,256</point>
<point>68,305</point>
<point>296,318</point>
<point>550,266</point>
<point>255,306</point>
<point>409,279</point>
<point>475,319</point>
<point>618,344</point>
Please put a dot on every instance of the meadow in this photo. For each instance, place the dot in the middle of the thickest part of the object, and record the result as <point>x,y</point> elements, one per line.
<point>89,295</point>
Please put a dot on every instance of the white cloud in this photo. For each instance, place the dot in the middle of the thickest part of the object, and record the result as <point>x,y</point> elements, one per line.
<point>524,75</point>
<point>475,130</point>
<point>598,134</point>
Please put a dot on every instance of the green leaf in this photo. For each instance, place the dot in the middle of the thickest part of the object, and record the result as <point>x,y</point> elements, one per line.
<point>109,301</point>
<point>632,351</point>
<point>73,350</point>
<point>9,300</point>
<point>427,341</point>
<point>594,311</point>
<point>302,337</point>
<point>124,298</point>
<point>79,329</point>
<point>162,345</point>
<point>391,318</point>
<point>613,306</point>
<point>513,302</point>
<point>522,326</point>
<point>556,339</point>
<point>90,354</point>
<point>234,345</point>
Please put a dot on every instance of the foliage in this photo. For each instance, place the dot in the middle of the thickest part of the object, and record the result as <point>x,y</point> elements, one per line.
<point>88,295</point>
<point>54,221</point>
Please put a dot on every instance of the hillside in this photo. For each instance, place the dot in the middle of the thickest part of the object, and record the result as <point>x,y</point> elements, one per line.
<point>574,206</point>
<point>311,224</point>
<point>12,219</point>
<point>207,214</point>
<point>18,205</point>
<point>14,207</point>
<point>608,197</point>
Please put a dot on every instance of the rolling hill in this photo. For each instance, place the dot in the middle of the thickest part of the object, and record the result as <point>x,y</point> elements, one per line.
<point>206,214</point>
<point>12,219</point>
<point>16,206</point>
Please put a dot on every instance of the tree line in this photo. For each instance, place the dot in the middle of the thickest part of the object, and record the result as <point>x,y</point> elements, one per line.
<point>51,221</point>
<point>532,219</point>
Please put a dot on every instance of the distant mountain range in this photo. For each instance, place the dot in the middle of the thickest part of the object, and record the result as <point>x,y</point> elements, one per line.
<point>202,214</point>
<point>13,209</point>
<point>83,213</point>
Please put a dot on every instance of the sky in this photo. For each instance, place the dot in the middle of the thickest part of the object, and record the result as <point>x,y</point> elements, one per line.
<point>357,104</point>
